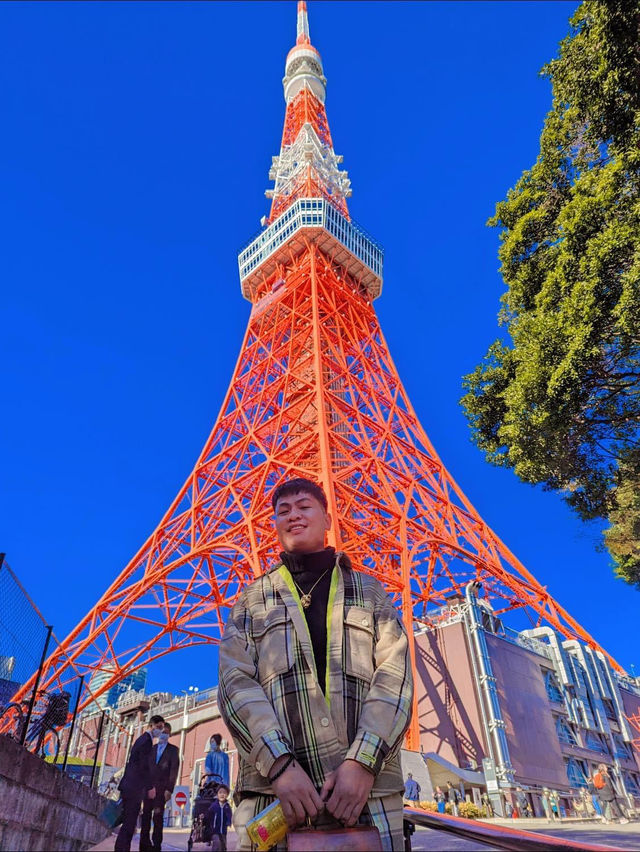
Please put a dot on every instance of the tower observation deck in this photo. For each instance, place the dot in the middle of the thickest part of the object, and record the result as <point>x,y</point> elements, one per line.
<point>314,393</point>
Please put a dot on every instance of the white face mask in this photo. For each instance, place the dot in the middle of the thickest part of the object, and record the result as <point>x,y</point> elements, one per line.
<point>163,737</point>
<point>155,732</point>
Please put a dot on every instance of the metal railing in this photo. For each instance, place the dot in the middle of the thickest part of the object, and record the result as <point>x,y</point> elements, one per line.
<point>499,836</point>
<point>311,213</point>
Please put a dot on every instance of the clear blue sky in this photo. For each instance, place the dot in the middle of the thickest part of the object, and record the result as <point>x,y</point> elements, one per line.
<point>134,156</point>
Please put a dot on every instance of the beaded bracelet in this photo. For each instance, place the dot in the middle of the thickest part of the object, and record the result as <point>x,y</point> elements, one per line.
<point>282,769</point>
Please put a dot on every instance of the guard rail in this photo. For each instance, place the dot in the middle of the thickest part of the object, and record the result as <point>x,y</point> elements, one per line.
<point>499,836</point>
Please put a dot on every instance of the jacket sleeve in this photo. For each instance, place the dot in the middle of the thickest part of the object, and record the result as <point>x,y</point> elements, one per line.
<point>242,701</point>
<point>140,760</point>
<point>386,710</point>
<point>173,768</point>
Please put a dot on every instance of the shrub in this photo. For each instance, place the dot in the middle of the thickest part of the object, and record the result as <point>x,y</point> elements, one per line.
<point>469,810</point>
<point>428,806</point>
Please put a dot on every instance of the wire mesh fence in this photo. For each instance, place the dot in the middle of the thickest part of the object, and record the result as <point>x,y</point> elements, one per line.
<point>23,633</point>
<point>42,721</point>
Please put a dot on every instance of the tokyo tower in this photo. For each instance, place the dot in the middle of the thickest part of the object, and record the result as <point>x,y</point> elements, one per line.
<point>314,393</point>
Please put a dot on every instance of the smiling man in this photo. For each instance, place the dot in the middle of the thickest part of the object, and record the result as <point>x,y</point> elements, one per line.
<point>315,683</point>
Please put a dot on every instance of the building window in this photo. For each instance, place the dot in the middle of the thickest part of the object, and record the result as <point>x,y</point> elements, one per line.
<point>576,772</point>
<point>631,783</point>
<point>594,742</point>
<point>565,731</point>
<point>609,709</point>
<point>552,686</point>
<point>621,747</point>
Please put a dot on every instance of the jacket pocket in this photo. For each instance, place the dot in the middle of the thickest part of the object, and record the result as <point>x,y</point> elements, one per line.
<point>273,645</point>
<point>357,646</point>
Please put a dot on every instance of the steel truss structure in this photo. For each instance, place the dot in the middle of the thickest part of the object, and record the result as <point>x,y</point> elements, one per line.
<point>314,393</point>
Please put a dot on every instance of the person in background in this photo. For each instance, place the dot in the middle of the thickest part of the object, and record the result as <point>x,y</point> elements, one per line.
<point>595,801</point>
<point>523,802</point>
<point>219,819</point>
<point>217,763</point>
<point>411,789</point>
<point>486,804</point>
<point>607,794</point>
<point>583,803</point>
<point>164,762</point>
<point>454,797</point>
<point>545,798</point>
<point>440,800</point>
<point>135,782</point>
<point>554,802</point>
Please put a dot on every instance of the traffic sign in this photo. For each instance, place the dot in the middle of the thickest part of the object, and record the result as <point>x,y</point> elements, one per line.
<point>181,798</point>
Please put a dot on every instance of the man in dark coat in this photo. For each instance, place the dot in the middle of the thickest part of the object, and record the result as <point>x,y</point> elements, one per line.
<point>164,763</point>
<point>136,782</point>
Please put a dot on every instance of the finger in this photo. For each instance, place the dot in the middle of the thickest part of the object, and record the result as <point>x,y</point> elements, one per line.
<point>298,808</point>
<point>353,815</point>
<point>337,805</point>
<point>317,800</point>
<point>289,813</point>
<point>328,786</point>
<point>350,820</point>
<point>311,810</point>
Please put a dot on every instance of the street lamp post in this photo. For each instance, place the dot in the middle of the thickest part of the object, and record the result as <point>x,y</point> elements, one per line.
<point>185,720</point>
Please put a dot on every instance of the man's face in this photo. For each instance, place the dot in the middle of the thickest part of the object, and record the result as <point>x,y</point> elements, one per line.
<point>301,523</point>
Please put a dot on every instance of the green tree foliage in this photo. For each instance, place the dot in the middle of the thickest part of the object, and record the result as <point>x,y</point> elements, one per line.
<point>558,399</point>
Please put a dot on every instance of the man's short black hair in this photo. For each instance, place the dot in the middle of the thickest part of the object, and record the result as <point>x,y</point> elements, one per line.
<point>299,485</point>
<point>156,720</point>
<point>168,725</point>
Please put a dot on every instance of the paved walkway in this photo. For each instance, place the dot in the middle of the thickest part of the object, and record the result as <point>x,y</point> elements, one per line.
<point>430,840</point>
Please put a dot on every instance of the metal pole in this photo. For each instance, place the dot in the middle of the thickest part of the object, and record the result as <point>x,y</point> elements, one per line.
<point>32,700</point>
<point>106,750</point>
<point>95,757</point>
<point>185,719</point>
<point>73,723</point>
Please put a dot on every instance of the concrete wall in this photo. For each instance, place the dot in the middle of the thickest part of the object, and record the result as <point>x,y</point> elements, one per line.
<point>534,747</point>
<point>43,809</point>
<point>447,705</point>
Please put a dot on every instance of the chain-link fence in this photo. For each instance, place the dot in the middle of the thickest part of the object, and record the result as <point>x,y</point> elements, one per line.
<point>40,721</point>
<point>23,634</point>
<point>47,723</point>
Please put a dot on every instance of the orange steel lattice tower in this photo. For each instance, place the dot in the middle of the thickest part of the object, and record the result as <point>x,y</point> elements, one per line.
<point>314,393</point>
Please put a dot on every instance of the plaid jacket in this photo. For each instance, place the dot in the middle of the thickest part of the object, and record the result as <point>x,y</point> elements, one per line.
<point>268,691</point>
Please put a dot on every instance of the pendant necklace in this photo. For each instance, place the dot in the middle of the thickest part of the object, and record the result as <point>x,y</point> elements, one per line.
<point>305,597</point>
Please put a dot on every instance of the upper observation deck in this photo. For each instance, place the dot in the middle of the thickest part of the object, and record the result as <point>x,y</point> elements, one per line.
<point>312,220</point>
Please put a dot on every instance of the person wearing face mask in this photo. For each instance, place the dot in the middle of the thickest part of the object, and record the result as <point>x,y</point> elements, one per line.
<point>136,782</point>
<point>217,763</point>
<point>164,763</point>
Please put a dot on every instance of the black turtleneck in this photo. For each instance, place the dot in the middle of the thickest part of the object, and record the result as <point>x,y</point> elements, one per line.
<point>305,569</point>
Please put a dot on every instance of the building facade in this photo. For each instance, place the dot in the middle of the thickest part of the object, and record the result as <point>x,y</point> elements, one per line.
<point>543,710</point>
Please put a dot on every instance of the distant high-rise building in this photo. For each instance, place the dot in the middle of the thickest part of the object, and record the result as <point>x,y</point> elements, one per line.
<point>136,681</point>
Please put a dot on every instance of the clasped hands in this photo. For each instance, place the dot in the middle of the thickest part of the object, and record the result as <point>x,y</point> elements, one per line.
<point>343,794</point>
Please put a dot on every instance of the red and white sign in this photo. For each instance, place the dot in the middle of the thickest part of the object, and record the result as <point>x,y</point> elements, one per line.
<point>181,798</point>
